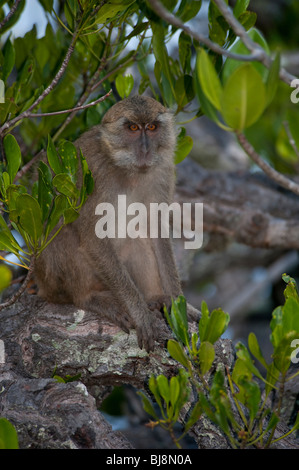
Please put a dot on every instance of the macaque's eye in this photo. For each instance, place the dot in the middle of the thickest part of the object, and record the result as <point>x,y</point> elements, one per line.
<point>133,127</point>
<point>151,127</point>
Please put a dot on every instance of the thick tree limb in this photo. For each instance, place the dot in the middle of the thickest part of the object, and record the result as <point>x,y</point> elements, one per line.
<point>243,207</point>
<point>39,338</point>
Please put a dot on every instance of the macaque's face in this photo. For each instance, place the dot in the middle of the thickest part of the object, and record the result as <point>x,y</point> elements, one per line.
<point>141,133</point>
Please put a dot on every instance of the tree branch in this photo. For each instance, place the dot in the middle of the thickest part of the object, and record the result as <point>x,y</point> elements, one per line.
<point>52,85</point>
<point>77,108</point>
<point>257,52</point>
<point>174,21</point>
<point>252,46</point>
<point>10,14</point>
<point>23,287</point>
<point>273,174</point>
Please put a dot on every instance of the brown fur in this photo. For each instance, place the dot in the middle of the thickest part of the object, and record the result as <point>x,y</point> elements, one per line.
<point>118,278</point>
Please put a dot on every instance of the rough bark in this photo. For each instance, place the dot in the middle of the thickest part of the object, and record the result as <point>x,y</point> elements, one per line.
<point>39,339</point>
<point>241,206</point>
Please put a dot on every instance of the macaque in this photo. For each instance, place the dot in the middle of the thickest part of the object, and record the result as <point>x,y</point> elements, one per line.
<point>123,279</point>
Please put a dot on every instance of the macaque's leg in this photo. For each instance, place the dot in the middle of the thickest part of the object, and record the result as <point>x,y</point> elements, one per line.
<point>106,306</point>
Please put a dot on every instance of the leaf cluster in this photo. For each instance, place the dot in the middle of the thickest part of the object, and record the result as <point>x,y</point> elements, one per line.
<point>220,393</point>
<point>55,200</point>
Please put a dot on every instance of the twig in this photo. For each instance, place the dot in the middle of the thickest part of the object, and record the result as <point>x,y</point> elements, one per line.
<point>52,85</point>
<point>10,14</point>
<point>77,108</point>
<point>36,158</point>
<point>23,287</point>
<point>174,21</point>
<point>290,137</point>
<point>271,172</point>
<point>257,52</point>
<point>87,91</point>
<point>252,46</point>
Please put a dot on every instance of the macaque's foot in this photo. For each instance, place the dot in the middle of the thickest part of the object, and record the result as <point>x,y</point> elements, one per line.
<point>158,302</point>
<point>146,336</point>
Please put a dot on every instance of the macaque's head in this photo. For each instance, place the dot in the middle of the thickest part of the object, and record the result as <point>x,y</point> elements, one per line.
<point>139,132</point>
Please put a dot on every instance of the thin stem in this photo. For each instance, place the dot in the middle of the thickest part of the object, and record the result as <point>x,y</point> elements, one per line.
<point>290,137</point>
<point>77,108</point>
<point>10,14</point>
<point>87,91</point>
<point>252,46</point>
<point>174,21</point>
<point>273,174</point>
<point>46,91</point>
<point>23,287</point>
<point>278,411</point>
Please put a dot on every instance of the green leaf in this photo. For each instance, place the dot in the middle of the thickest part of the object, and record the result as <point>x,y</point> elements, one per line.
<point>30,216</point>
<point>291,288</point>
<point>185,44</point>
<point>124,85</point>
<point>255,349</point>
<point>70,215</point>
<point>13,156</point>
<point>285,321</point>
<point>196,413</point>
<point>176,351</point>
<point>239,48</point>
<point>188,9</point>
<point>9,59</point>
<point>206,355</point>
<point>5,277</point>
<point>240,370</point>
<point>248,19</point>
<point>5,182</point>
<point>69,158</point>
<point>271,378</point>
<point>273,79</point>
<point>184,91</point>
<point>243,100</point>
<point>147,405</point>
<point>240,7</point>
<point>45,191</point>
<point>174,390</point>
<point>273,421</point>
<point>209,80</point>
<point>283,351</point>
<point>243,354</point>
<point>8,435</point>
<point>47,4</point>
<point>59,207</point>
<point>164,77</point>
<point>109,10</point>
<point>251,396</point>
<point>178,320</point>
<point>64,185</point>
<point>212,326</point>
<point>53,157</point>
<point>7,241</point>
<point>163,387</point>
<point>153,386</point>
<point>183,147</point>
<point>27,71</point>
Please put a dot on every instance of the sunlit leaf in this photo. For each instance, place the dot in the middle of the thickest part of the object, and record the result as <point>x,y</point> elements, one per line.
<point>30,216</point>
<point>13,155</point>
<point>209,80</point>
<point>243,99</point>
<point>8,435</point>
